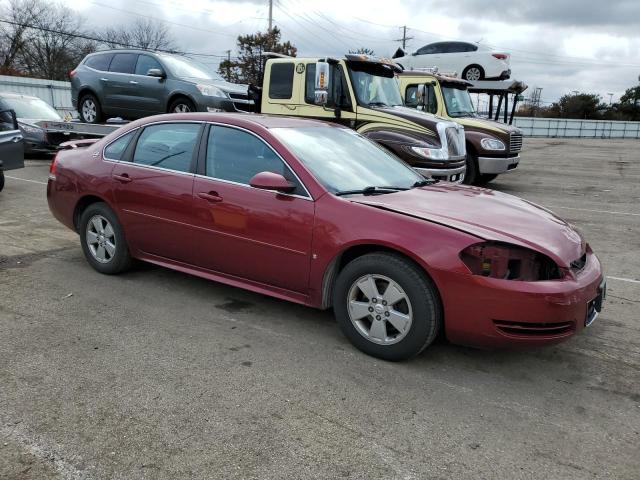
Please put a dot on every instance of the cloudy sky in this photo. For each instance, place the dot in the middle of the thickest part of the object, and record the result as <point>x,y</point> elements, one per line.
<point>558,45</point>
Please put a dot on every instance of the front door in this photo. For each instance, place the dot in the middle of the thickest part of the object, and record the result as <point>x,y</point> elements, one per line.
<point>254,234</point>
<point>153,190</point>
<point>148,94</point>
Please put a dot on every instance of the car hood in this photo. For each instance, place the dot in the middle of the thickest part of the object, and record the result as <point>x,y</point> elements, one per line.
<point>487,214</point>
<point>221,84</point>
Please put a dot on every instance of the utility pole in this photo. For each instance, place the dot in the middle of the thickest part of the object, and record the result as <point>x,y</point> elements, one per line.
<point>270,14</point>
<point>610,97</point>
<point>404,37</point>
<point>228,65</point>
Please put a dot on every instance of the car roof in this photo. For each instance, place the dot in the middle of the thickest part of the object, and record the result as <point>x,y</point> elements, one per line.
<point>125,50</point>
<point>239,119</point>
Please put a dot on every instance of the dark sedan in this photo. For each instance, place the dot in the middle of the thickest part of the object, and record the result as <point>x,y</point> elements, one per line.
<point>316,214</point>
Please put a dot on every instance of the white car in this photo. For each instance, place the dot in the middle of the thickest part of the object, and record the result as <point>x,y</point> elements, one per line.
<point>470,61</point>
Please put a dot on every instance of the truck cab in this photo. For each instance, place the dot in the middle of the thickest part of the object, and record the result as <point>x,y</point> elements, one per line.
<point>362,92</point>
<point>492,148</point>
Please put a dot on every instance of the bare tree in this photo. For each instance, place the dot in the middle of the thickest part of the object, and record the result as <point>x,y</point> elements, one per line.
<point>14,35</point>
<point>55,47</point>
<point>143,33</point>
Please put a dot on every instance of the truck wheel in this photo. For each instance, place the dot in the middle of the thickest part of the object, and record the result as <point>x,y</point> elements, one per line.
<point>1,180</point>
<point>182,105</point>
<point>89,109</point>
<point>486,178</point>
<point>472,174</point>
<point>386,306</point>
<point>103,241</point>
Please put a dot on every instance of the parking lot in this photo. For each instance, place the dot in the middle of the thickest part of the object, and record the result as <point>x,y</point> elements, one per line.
<point>157,374</point>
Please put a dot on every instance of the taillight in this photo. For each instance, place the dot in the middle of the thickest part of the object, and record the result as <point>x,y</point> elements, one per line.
<point>53,167</point>
<point>508,262</point>
<point>500,56</point>
<point>72,73</point>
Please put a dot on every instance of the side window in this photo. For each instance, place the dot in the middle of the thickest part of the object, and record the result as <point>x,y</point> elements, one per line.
<point>236,156</point>
<point>100,61</point>
<point>339,94</point>
<point>146,63</point>
<point>469,47</point>
<point>428,49</point>
<point>123,63</point>
<point>167,145</point>
<point>411,98</point>
<point>115,149</point>
<point>281,81</point>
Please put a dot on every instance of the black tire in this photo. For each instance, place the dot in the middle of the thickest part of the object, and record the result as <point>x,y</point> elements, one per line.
<point>418,288</point>
<point>471,174</point>
<point>121,259</point>
<point>87,101</point>
<point>486,178</point>
<point>1,180</point>
<point>473,68</point>
<point>184,102</point>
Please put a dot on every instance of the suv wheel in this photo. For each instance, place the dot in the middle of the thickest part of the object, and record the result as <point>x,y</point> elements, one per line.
<point>182,105</point>
<point>386,306</point>
<point>89,109</point>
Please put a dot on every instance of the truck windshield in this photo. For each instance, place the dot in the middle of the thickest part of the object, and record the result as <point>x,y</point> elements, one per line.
<point>344,161</point>
<point>458,101</point>
<point>374,85</point>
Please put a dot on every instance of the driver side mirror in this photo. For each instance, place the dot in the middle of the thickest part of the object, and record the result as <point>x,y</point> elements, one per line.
<point>156,72</point>
<point>322,83</point>
<point>272,181</point>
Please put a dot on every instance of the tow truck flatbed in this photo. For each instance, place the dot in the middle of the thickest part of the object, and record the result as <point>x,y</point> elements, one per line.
<point>78,128</point>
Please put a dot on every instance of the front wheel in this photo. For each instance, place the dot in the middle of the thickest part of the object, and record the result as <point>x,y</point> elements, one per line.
<point>471,174</point>
<point>486,178</point>
<point>182,105</point>
<point>386,306</point>
<point>1,180</point>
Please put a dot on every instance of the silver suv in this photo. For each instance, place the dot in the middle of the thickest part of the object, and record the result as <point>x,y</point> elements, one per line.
<point>136,83</point>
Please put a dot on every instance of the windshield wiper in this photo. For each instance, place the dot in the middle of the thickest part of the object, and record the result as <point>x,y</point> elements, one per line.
<point>371,190</point>
<point>424,183</point>
<point>379,104</point>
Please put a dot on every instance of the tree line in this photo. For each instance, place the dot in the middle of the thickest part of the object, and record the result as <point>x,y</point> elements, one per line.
<point>43,39</point>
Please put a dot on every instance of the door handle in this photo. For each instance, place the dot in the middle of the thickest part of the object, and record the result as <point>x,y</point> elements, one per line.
<point>133,82</point>
<point>104,79</point>
<point>124,178</point>
<point>210,196</point>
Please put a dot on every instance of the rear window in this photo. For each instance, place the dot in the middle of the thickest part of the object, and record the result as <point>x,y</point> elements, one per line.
<point>100,61</point>
<point>123,63</point>
<point>281,81</point>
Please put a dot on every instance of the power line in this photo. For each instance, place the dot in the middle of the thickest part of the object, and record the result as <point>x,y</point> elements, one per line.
<point>103,40</point>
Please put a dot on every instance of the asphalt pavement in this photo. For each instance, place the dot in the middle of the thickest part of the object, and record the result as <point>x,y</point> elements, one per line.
<point>157,374</point>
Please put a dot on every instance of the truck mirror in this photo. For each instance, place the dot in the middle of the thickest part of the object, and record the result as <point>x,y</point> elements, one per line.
<point>322,83</point>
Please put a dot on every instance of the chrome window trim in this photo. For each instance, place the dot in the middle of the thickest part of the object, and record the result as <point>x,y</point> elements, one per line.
<point>104,157</point>
<point>307,197</point>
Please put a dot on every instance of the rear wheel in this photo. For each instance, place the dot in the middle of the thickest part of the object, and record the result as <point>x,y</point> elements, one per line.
<point>89,109</point>
<point>473,73</point>
<point>386,306</point>
<point>102,239</point>
<point>182,105</point>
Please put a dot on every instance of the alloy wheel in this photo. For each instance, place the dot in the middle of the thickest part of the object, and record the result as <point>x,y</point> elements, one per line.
<point>89,110</point>
<point>473,74</point>
<point>181,108</point>
<point>379,309</point>
<point>101,239</point>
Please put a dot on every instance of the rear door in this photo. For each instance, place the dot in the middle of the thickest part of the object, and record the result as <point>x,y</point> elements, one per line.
<point>11,142</point>
<point>118,86</point>
<point>153,186</point>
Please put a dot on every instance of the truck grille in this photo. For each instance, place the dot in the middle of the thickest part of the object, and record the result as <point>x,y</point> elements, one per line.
<point>515,142</point>
<point>455,141</point>
<point>241,102</point>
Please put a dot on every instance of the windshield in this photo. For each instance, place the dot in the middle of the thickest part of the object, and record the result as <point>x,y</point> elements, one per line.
<point>374,85</point>
<point>343,160</point>
<point>33,108</point>
<point>185,68</point>
<point>457,101</point>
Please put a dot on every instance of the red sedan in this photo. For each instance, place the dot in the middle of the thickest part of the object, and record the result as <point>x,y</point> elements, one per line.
<point>316,214</point>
